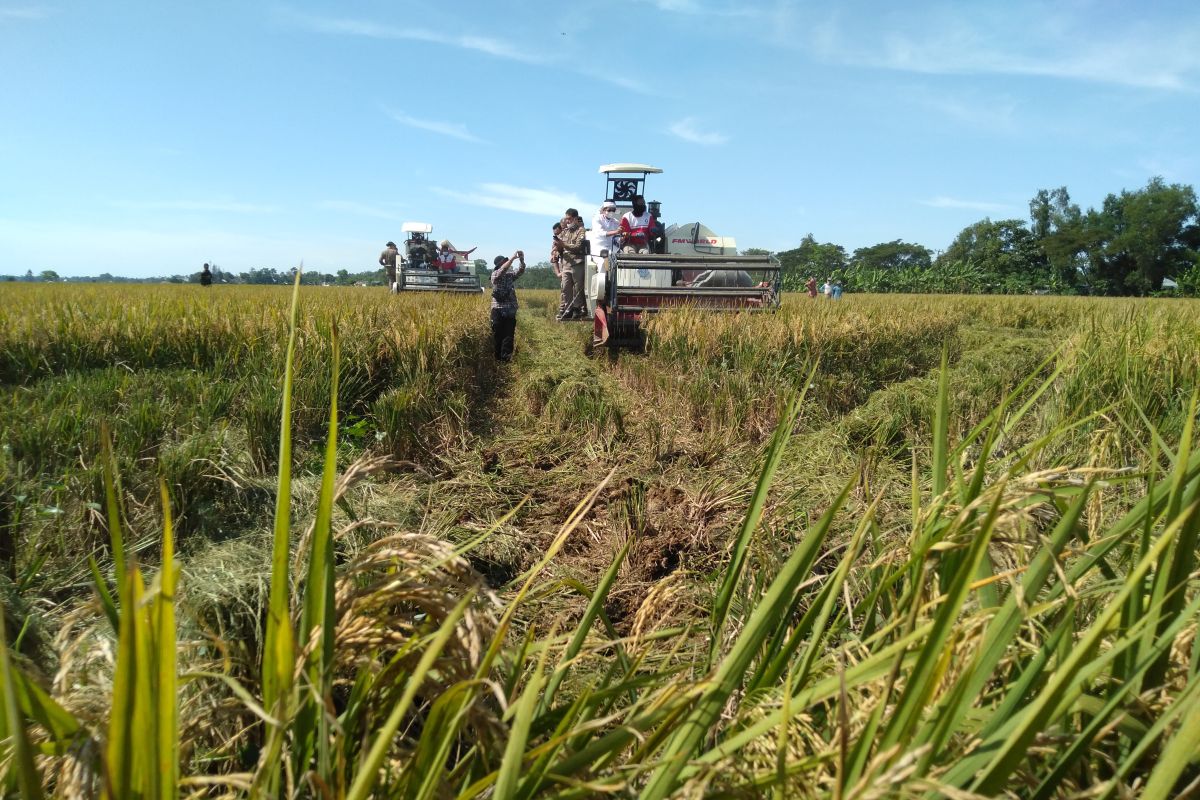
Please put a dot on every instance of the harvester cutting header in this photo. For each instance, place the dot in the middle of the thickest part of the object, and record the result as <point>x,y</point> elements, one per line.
<point>645,267</point>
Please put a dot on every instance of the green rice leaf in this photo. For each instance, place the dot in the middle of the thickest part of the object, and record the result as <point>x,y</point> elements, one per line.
<point>12,727</point>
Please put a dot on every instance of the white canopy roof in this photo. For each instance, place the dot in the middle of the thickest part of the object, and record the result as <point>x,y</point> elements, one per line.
<point>627,167</point>
<point>416,227</point>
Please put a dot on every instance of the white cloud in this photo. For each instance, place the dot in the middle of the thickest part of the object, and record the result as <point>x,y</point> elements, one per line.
<point>540,202</point>
<point>348,26</point>
<point>23,12</point>
<point>1171,168</point>
<point>701,9</point>
<point>491,46</point>
<point>497,48</point>
<point>686,6</point>
<point>942,201</point>
<point>455,130</point>
<point>360,209</point>
<point>222,206</point>
<point>629,84</point>
<point>686,129</point>
<point>1026,40</point>
<point>987,113</point>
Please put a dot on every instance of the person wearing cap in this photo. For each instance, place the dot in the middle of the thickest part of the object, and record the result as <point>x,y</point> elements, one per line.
<point>504,303</point>
<point>387,260</point>
<point>572,249</point>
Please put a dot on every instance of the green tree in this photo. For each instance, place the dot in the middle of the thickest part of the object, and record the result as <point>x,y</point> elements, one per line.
<point>820,260</point>
<point>266,275</point>
<point>1188,280</point>
<point>1059,227</point>
<point>539,276</point>
<point>893,255</point>
<point>48,275</point>
<point>1004,254</point>
<point>481,270</point>
<point>1138,238</point>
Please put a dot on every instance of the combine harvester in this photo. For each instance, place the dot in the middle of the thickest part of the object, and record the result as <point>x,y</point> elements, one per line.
<point>688,266</point>
<point>418,268</point>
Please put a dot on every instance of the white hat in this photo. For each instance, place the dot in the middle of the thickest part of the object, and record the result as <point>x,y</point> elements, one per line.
<point>609,204</point>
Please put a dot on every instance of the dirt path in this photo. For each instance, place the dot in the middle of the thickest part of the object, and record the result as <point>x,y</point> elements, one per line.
<point>558,423</point>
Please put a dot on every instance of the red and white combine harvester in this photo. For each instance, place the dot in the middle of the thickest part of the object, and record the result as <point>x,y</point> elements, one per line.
<point>687,265</point>
<point>421,271</point>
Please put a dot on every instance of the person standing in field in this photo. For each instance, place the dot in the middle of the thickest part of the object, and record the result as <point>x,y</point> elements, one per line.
<point>504,303</point>
<point>387,260</point>
<point>556,253</point>
<point>572,248</point>
<point>206,276</point>
<point>811,286</point>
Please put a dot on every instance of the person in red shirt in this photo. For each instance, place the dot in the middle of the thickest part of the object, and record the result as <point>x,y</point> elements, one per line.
<point>446,260</point>
<point>636,226</point>
<point>811,286</point>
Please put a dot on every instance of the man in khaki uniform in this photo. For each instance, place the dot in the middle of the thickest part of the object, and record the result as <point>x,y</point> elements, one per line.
<point>554,250</point>
<point>572,248</point>
<point>387,260</point>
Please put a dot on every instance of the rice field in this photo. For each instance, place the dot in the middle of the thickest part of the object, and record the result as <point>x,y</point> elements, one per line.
<point>259,543</point>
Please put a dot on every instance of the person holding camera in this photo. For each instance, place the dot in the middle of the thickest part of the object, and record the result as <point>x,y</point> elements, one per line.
<point>504,303</point>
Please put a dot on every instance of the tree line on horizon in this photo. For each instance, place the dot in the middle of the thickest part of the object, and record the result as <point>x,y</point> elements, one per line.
<point>257,276</point>
<point>1137,243</point>
<point>1140,243</point>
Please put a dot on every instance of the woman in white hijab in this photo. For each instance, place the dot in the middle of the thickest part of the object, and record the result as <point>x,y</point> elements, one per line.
<point>605,225</point>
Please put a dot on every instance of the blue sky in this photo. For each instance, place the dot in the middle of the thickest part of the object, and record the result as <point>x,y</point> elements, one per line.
<point>145,138</point>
